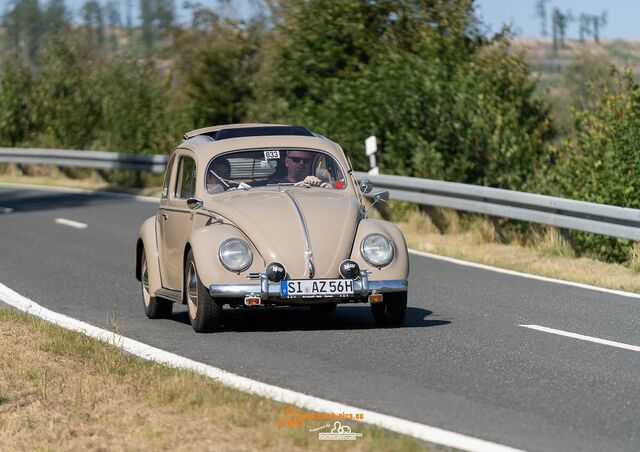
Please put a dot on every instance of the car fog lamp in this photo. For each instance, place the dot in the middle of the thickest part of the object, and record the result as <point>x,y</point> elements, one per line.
<point>275,272</point>
<point>235,255</point>
<point>349,269</point>
<point>377,250</point>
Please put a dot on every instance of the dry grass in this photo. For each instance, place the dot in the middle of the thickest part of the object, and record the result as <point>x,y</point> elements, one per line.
<point>83,179</point>
<point>547,255</point>
<point>61,390</point>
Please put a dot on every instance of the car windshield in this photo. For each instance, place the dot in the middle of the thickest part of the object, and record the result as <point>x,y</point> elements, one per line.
<point>272,167</point>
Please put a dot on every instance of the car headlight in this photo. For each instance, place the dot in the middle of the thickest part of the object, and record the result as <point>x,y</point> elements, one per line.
<point>235,255</point>
<point>377,250</point>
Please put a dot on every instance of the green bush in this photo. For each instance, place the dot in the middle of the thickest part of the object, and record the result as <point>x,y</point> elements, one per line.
<point>600,163</point>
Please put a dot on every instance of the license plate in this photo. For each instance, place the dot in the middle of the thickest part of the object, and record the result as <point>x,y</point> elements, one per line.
<point>316,288</point>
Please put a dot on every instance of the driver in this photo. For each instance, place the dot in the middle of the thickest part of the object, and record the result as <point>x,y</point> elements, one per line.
<point>298,164</point>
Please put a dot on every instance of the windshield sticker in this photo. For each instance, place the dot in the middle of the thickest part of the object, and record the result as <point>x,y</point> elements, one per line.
<point>271,155</point>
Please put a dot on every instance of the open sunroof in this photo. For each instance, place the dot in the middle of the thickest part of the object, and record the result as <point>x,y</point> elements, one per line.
<point>263,131</point>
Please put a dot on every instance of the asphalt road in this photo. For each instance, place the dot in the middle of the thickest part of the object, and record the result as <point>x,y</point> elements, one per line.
<point>460,361</point>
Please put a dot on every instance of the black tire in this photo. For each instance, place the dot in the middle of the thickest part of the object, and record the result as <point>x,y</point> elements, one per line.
<point>154,307</point>
<point>205,314</point>
<point>391,310</point>
<point>324,308</point>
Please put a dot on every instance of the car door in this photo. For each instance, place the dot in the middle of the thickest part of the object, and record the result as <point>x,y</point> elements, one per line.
<point>177,221</point>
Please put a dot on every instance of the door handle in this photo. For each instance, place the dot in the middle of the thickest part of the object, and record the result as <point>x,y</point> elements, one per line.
<point>164,216</point>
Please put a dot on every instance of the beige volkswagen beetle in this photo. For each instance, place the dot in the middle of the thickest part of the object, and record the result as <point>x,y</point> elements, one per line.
<point>267,215</point>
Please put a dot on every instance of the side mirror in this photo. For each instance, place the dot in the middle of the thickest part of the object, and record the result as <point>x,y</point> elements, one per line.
<point>194,203</point>
<point>381,196</point>
<point>365,186</point>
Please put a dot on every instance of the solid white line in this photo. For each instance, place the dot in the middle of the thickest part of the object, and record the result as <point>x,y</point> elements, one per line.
<point>452,260</point>
<point>403,426</point>
<point>634,348</point>
<point>6,210</point>
<point>70,223</point>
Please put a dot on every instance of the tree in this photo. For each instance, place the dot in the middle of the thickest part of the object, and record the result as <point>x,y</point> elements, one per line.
<point>112,12</point>
<point>56,16</point>
<point>24,24</point>
<point>585,26</point>
<point>218,59</point>
<point>443,100</point>
<point>598,23</point>
<point>17,109</point>
<point>541,13</point>
<point>93,18</point>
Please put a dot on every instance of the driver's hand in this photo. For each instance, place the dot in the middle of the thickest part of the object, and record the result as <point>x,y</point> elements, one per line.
<point>313,180</point>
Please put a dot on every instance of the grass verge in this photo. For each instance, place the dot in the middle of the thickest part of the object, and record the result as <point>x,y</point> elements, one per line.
<point>546,252</point>
<point>60,390</point>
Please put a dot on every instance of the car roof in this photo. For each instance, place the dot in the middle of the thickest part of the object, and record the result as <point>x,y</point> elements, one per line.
<point>248,129</point>
<point>208,142</point>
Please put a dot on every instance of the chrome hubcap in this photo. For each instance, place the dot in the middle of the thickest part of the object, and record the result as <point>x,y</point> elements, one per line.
<point>192,290</point>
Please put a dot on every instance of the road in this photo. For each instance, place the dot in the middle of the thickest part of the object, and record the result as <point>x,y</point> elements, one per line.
<point>461,361</point>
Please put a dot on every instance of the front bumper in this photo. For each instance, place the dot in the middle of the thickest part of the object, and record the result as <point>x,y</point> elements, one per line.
<point>270,292</point>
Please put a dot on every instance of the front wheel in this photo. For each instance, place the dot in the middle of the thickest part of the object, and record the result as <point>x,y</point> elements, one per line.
<point>205,313</point>
<point>154,307</point>
<point>391,310</point>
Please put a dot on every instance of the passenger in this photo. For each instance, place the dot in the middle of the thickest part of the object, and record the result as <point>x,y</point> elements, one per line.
<point>222,168</point>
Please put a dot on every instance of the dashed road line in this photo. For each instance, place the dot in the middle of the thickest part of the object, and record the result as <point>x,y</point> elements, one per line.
<point>71,223</point>
<point>582,337</point>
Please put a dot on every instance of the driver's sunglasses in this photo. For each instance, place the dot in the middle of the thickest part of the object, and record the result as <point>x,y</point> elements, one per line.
<point>297,160</point>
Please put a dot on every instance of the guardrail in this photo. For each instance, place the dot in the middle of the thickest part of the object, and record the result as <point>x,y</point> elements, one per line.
<point>560,212</point>
<point>84,159</point>
<point>563,213</point>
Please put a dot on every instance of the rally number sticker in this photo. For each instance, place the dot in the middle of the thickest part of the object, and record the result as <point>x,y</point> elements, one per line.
<point>271,154</point>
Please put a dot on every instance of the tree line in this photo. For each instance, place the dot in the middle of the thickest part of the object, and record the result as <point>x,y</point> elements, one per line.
<point>445,99</point>
<point>589,25</point>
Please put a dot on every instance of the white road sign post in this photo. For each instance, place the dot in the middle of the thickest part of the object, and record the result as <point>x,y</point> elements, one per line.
<point>371,146</point>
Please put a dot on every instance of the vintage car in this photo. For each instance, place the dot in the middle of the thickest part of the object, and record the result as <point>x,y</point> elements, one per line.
<point>258,215</point>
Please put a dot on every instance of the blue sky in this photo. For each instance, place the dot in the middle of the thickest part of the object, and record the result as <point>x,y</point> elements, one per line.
<point>623,15</point>
<point>622,22</point>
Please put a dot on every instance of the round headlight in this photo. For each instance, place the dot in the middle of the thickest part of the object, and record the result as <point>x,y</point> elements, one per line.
<point>235,255</point>
<point>377,250</point>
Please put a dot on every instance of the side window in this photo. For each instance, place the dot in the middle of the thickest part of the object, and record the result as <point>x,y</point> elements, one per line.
<point>186,182</point>
<point>167,178</point>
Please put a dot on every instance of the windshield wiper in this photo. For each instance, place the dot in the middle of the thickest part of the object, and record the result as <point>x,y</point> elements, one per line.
<point>219,178</point>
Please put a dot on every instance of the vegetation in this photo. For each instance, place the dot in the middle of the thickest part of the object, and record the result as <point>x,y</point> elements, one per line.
<point>61,390</point>
<point>445,99</point>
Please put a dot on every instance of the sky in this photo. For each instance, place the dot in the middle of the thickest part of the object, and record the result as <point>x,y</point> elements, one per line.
<point>622,22</point>
<point>622,16</point>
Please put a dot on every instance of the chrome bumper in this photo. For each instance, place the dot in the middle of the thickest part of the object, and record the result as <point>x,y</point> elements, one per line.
<point>267,290</point>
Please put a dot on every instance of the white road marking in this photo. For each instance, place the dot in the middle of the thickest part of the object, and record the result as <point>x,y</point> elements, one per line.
<point>71,223</point>
<point>5,209</point>
<point>403,426</point>
<point>452,260</point>
<point>634,348</point>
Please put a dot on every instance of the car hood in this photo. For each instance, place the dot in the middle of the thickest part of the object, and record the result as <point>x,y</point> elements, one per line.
<point>275,219</point>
